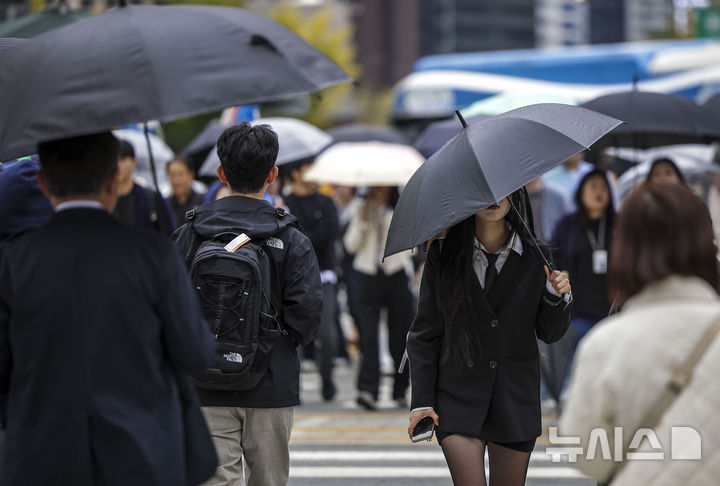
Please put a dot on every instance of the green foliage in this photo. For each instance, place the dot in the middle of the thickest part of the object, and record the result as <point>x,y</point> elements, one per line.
<point>336,42</point>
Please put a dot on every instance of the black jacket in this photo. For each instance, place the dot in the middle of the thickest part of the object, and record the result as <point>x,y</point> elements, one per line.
<point>493,394</point>
<point>94,319</point>
<point>318,216</point>
<point>296,291</point>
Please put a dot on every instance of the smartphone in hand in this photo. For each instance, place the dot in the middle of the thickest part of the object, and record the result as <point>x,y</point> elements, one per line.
<point>423,430</point>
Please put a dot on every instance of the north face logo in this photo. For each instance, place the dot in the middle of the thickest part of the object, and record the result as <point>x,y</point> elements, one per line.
<point>233,357</point>
<point>275,243</point>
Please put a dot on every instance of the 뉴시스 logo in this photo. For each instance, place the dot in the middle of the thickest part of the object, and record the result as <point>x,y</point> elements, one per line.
<point>685,444</point>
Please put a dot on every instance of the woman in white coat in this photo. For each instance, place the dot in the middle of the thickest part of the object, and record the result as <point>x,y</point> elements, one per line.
<point>664,272</point>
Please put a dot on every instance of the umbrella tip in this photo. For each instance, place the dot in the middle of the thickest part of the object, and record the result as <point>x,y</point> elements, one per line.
<point>460,117</point>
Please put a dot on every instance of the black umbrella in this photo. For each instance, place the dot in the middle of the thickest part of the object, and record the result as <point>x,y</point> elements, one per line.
<point>713,105</point>
<point>486,162</point>
<point>439,133</point>
<point>358,132</point>
<point>206,139</point>
<point>655,119</point>
<point>139,63</point>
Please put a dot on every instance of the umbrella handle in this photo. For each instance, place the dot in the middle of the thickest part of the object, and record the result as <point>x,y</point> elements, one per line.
<point>520,216</point>
<point>150,156</point>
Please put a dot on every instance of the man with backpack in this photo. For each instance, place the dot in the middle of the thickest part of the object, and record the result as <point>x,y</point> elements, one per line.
<point>258,283</point>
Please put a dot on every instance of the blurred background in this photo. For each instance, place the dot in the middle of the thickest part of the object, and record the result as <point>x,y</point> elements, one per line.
<point>416,61</point>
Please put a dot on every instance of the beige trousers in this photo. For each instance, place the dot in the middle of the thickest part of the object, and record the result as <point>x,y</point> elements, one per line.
<point>260,436</point>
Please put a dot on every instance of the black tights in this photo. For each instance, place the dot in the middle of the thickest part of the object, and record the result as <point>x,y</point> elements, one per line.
<point>465,457</point>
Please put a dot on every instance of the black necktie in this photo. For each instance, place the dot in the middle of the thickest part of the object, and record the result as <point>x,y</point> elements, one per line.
<point>491,272</point>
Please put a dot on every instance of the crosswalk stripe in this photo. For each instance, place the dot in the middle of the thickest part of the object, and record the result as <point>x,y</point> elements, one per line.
<point>385,455</point>
<point>416,472</point>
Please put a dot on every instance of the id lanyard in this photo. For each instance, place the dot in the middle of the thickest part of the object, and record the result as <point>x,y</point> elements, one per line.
<point>599,254</point>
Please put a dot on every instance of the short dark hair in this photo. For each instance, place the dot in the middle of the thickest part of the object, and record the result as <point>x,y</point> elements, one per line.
<point>247,154</point>
<point>662,229</point>
<point>182,160</point>
<point>126,149</point>
<point>79,165</point>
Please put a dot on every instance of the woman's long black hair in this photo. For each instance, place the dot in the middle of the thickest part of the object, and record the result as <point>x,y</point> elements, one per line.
<point>456,273</point>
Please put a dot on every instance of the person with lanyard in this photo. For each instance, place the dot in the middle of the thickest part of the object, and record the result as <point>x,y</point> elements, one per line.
<point>487,291</point>
<point>581,241</point>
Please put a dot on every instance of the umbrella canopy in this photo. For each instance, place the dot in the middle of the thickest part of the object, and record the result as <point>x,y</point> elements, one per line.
<point>357,132</point>
<point>510,100</point>
<point>694,161</point>
<point>141,63</point>
<point>486,162</point>
<point>655,119</point>
<point>298,140</point>
<point>365,164</point>
<point>206,139</point>
<point>440,132</point>
<point>713,105</point>
<point>35,24</point>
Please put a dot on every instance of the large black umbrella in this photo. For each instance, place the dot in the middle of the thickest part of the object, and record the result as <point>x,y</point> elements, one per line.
<point>655,119</point>
<point>713,105</point>
<point>439,133</point>
<point>486,162</point>
<point>139,63</point>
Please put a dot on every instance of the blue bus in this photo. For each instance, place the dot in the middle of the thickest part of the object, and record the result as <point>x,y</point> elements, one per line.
<point>442,83</point>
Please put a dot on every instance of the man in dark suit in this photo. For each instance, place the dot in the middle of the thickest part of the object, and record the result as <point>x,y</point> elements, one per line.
<point>96,319</point>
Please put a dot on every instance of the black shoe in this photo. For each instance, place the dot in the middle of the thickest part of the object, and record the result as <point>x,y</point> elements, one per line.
<point>328,391</point>
<point>366,400</point>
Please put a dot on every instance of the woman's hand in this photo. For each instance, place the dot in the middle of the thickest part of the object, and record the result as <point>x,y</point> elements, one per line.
<point>558,280</point>
<point>418,415</point>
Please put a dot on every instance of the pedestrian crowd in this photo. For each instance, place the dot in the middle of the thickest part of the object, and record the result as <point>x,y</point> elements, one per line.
<point>522,283</point>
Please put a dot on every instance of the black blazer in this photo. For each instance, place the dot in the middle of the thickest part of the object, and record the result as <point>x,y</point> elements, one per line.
<point>495,393</point>
<point>94,317</point>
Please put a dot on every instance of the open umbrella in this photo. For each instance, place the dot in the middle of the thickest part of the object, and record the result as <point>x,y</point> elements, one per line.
<point>655,119</point>
<point>139,63</point>
<point>206,139</point>
<point>486,162</point>
<point>298,140</point>
<point>365,164</point>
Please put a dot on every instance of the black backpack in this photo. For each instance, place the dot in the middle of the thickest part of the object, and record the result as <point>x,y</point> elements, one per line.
<point>231,275</point>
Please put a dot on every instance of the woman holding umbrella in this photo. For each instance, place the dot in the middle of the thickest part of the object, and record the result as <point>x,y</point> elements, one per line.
<point>485,295</point>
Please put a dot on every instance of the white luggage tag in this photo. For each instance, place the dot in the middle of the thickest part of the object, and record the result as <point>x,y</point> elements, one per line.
<point>237,242</point>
